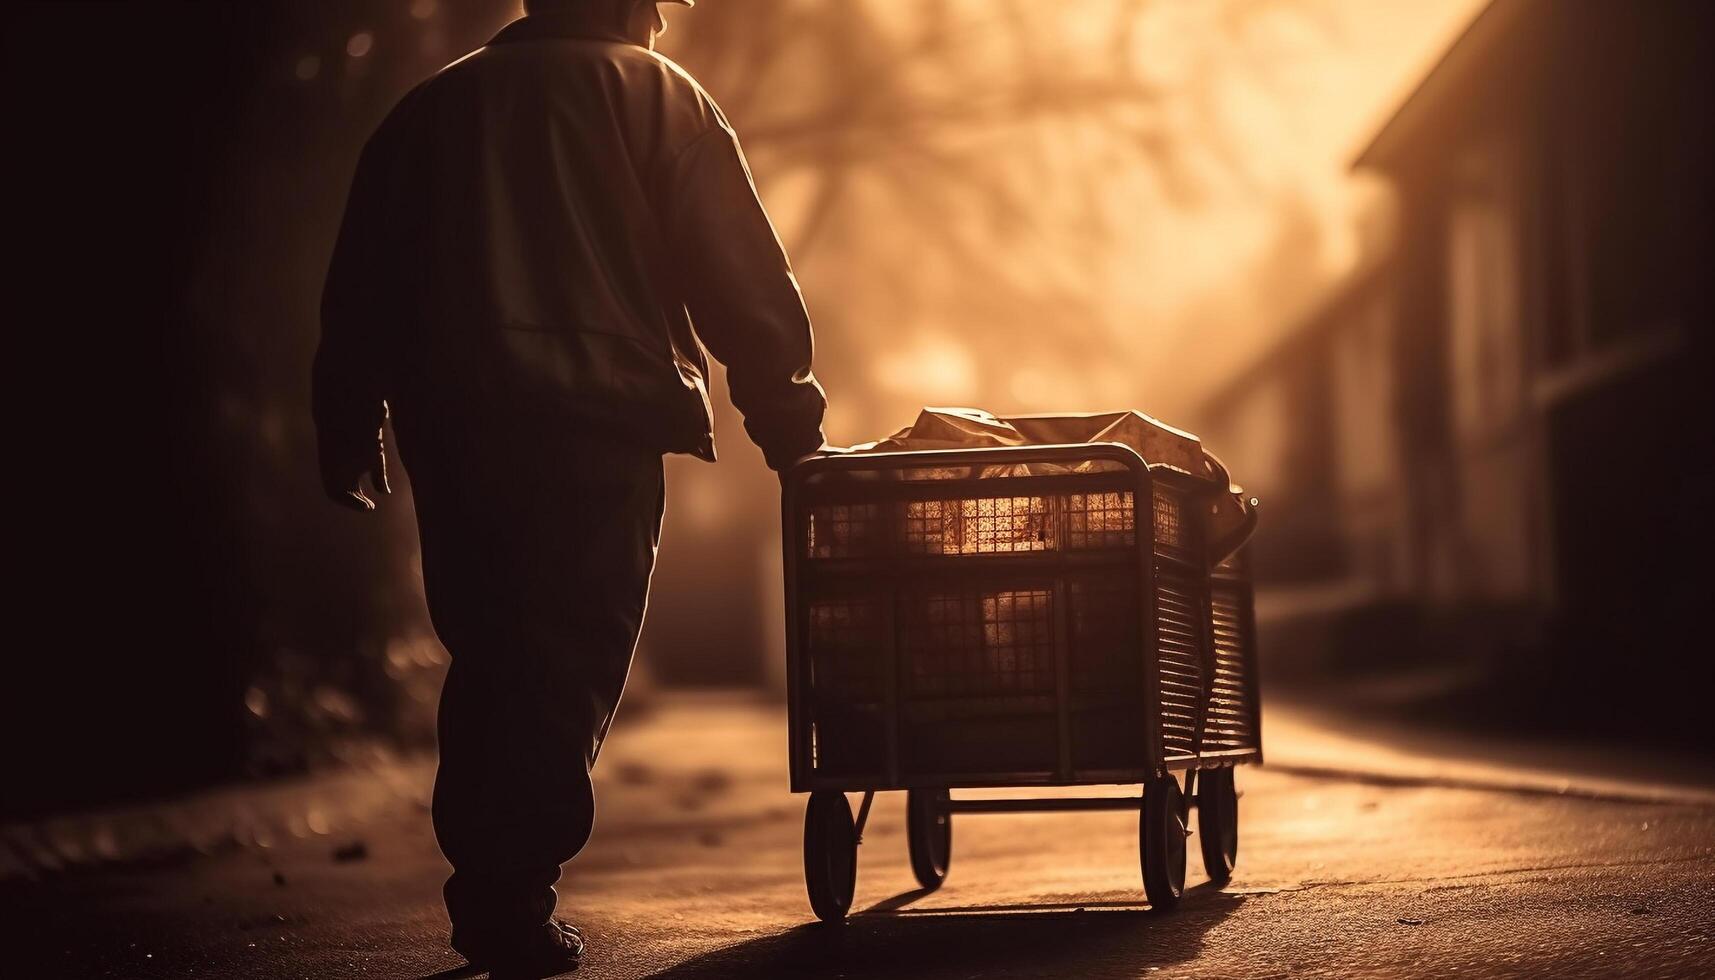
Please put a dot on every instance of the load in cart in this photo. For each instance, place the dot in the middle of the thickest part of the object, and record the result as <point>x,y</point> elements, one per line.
<point>1044,601</point>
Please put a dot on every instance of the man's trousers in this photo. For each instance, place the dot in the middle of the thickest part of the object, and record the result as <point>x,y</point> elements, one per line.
<point>537,546</point>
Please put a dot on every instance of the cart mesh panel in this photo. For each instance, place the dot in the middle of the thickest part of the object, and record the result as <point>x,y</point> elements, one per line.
<point>978,680</point>
<point>978,645</point>
<point>1179,613</point>
<point>1106,673</point>
<point>844,531</point>
<point>848,664</point>
<point>847,649</point>
<point>1100,520</point>
<point>1171,530</point>
<point>976,525</point>
<point>979,526</point>
<point>1104,625</point>
<point>1232,723</point>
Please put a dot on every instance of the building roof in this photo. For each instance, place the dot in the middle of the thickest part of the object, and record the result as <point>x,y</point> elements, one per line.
<point>1466,66</point>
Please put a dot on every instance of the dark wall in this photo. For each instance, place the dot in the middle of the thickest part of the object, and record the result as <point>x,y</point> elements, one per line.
<point>174,194</point>
<point>116,678</point>
<point>1632,459</point>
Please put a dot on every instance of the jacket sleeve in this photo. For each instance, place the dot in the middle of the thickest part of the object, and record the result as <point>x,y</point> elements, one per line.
<point>742,296</point>
<point>348,386</point>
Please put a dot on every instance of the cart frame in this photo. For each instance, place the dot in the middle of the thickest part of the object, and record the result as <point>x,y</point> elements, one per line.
<point>807,578</point>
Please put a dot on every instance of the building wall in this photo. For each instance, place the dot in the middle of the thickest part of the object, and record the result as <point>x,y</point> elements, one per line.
<point>1367,473</point>
<point>1491,419</point>
<point>1519,407</point>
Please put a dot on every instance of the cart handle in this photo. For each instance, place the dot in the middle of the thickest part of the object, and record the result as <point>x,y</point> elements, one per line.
<point>1002,455</point>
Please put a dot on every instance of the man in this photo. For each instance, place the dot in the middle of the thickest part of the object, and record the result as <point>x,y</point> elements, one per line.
<point>525,235</point>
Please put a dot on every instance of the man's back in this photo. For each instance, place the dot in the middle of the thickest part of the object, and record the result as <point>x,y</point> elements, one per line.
<point>531,223</point>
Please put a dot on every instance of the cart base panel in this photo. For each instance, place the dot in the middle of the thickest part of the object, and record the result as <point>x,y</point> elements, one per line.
<point>1021,780</point>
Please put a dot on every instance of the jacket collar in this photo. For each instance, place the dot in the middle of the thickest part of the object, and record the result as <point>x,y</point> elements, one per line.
<point>574,22</point>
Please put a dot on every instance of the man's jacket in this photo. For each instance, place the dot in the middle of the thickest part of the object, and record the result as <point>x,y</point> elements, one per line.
<point>537,228</point>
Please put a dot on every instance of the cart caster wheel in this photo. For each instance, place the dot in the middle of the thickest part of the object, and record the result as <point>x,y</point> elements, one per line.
<point>1218,823</point>
<point>1161,830</point>
<point>929,834</point>
<point>830,855</point>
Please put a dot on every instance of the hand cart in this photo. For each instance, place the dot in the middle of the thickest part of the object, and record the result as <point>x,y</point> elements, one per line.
<point>1001,618</point>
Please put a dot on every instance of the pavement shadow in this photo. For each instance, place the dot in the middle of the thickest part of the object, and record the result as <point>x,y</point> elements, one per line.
<point>890,939</point>
<point>465,972</point>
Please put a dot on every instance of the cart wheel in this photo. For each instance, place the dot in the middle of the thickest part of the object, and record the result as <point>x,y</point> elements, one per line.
<point>929,833</point>
<point>830,855</point>
<point>1218,822</point>
<point>1162,838</point>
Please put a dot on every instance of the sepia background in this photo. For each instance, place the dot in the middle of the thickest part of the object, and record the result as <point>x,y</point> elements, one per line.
<point>1430,275</point>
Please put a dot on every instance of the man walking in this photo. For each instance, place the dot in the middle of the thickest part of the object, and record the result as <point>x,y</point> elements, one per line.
<point>530,236</point>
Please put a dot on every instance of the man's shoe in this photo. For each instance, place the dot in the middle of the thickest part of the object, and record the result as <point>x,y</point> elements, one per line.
<point>553,948</point>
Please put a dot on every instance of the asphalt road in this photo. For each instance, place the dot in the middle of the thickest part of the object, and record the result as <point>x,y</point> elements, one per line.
<point>694,872</point>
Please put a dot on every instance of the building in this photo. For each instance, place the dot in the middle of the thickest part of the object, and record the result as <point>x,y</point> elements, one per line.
<point>1509,410</point>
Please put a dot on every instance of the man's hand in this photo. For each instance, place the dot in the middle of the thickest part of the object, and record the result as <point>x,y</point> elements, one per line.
<point>359,481</point>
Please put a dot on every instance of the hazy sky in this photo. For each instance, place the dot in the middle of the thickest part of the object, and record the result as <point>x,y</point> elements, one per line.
<point>1266,102</point>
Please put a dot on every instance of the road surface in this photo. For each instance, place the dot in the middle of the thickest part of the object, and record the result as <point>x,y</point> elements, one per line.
<point>694,872</point>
